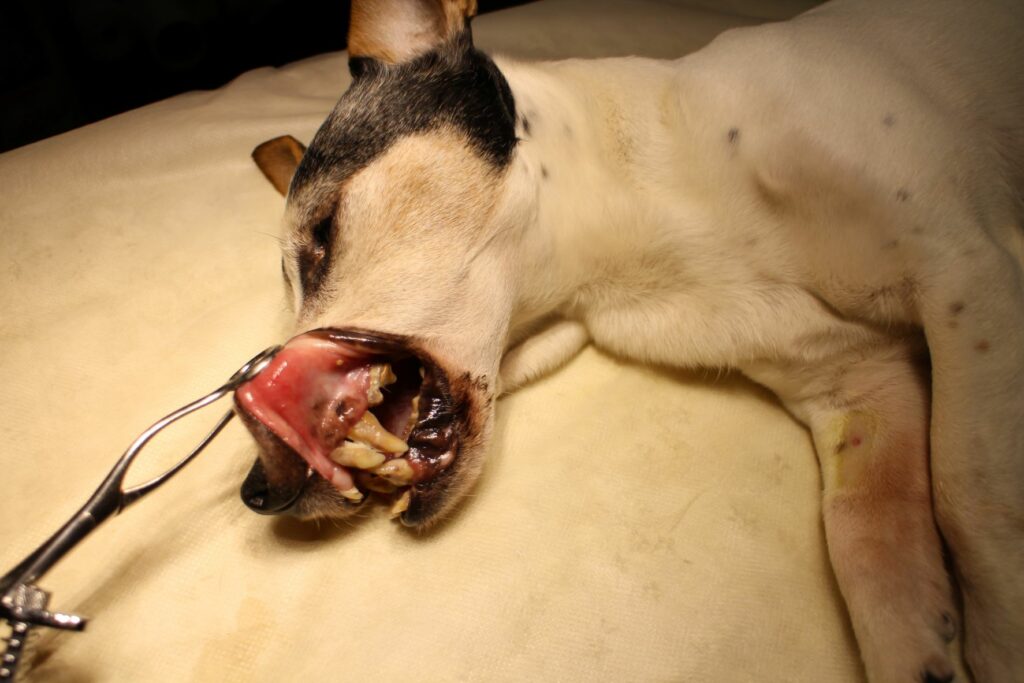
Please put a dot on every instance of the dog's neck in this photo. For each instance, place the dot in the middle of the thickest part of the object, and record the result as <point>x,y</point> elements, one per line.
<point>587,180</point>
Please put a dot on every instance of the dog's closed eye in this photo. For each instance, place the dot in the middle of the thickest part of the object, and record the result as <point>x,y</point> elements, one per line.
<point>322,234</point>
<point>314,258</point>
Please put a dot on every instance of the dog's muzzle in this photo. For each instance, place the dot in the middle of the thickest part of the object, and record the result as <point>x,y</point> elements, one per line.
<point>341,413</point>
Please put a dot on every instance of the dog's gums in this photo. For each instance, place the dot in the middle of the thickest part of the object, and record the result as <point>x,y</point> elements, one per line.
<point>349,404</point>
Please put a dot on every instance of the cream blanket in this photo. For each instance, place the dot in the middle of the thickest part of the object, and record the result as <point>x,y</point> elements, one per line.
<point>632,524</point>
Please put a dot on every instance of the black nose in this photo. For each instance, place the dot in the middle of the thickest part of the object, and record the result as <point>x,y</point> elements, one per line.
<point>259,495</point>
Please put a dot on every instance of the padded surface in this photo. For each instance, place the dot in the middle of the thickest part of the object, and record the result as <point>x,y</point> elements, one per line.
<point>139,268</point>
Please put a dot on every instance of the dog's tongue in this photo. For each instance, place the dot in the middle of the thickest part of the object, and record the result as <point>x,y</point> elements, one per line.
<point>310,395</point>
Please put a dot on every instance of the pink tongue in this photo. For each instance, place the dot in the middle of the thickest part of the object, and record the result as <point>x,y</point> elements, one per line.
<point>310,396</point>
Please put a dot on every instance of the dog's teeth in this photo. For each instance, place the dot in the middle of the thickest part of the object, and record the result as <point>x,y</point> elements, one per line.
<point>397,471</point>
<point>353,494</point>
<point>369,431</point>
<point>401,505</point>
<point>380,376</point>
<point>413,416</point>
<point>375,483</point>
<point>361,456</point>
<point>342,481</point>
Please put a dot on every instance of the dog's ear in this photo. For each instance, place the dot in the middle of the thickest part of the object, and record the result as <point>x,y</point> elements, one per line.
<point>278,159</point>
<point>395,31</point>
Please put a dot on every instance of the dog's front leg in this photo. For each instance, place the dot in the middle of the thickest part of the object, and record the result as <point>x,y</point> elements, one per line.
<point>973,311</point>
<point>542,352</point>
<point>868,413</point>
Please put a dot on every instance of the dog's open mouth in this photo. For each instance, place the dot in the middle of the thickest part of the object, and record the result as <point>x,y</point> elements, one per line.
<point>363,411</point>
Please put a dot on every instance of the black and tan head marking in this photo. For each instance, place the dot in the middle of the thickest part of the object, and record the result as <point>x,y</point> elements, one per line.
<point>453,84</point>
<point>397,91</point>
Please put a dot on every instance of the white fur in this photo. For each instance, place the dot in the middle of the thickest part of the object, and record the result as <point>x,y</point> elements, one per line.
<point>797,200</point>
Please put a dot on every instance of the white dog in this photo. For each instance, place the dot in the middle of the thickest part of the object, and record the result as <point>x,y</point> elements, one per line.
<point>832,205</point>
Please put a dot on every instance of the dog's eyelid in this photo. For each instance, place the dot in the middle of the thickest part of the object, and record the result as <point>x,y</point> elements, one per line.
<point>314,252</point>
<point>322,233</point>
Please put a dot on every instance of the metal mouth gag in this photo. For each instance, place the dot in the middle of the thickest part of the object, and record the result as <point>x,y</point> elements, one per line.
<point>22,603</point>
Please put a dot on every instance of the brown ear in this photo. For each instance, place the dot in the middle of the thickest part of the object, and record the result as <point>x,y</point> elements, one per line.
<point>278,159</point>
<point>395,31</point>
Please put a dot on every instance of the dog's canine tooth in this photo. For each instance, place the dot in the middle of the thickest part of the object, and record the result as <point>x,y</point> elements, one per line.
<point>397,471</point>
<point>369,431</point>
<point>401,505</point>
<point>353,494</point>
<point>343,482</point>
<point>413,416</point>
<point>358,455</point>
<point>381,375</point>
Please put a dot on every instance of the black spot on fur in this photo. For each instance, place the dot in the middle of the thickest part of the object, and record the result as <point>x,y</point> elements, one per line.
<point>526,125</point>
<point>929,677</point>
<point>454,85</point>
<point>543,171</point>
<point>902,194</point>
<point>957,307</point>
<point>734,135</point>
<point>889,121</point>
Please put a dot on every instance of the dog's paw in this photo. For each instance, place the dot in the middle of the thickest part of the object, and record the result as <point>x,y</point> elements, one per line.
<point>921,656</point>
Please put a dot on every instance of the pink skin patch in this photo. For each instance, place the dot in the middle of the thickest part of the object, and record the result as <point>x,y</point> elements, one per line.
<point>310,395</point>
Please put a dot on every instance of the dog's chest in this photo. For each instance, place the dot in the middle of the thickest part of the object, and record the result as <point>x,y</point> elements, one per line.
<point>731,318</point>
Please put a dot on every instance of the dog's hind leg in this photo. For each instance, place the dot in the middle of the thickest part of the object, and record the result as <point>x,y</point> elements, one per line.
<point>973,313</point>
<point>868,414</point>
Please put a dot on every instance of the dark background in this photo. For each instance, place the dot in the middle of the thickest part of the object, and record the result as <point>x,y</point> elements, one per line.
<point>66,63</point>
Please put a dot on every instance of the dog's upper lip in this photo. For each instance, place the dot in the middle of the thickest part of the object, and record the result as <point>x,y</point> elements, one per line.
<point>309,396</point>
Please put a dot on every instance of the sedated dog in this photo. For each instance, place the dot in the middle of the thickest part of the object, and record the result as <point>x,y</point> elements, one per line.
<point>833,205</point>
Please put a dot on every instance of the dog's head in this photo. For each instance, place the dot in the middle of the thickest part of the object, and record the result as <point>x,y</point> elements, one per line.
<point>399,249</point>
